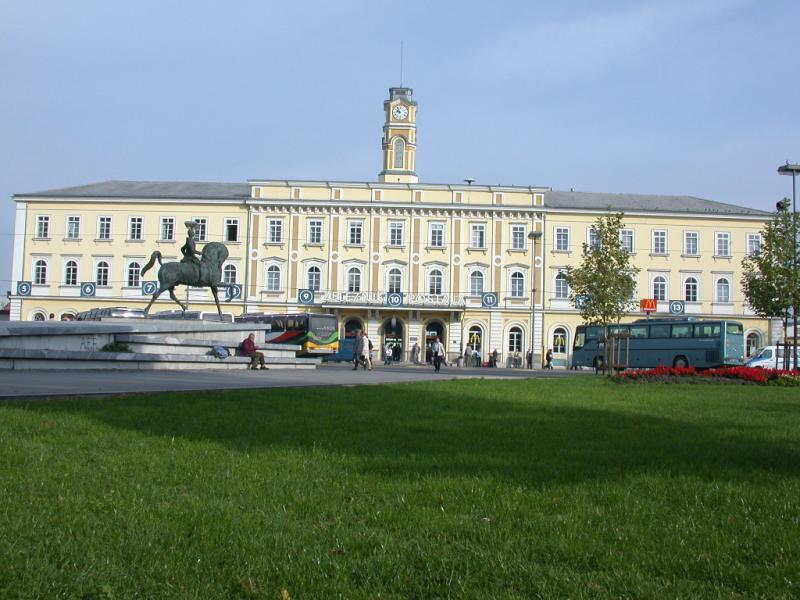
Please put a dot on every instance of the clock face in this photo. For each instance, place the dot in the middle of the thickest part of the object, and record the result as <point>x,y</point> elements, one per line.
<point>400,112</point>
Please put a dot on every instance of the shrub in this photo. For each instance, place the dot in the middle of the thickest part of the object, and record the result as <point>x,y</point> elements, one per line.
<point>663,374</point>
<point>116,347</point>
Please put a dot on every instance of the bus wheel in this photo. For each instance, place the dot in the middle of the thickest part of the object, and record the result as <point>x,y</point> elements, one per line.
<point>680,362</point>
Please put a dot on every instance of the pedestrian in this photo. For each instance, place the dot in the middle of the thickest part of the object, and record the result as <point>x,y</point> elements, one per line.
<point>415,353</point>
<point>248,348</point>
<point>529,358</point>
<point>548,359</point>
<point>476,354</point>
<point>493,360</point>
<point>387,354</point>
<point>437,350</point>
<point>358,350</point>
<point>368,348</point>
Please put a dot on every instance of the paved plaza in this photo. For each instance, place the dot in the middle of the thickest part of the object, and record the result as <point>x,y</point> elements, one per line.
<point>47,383</point>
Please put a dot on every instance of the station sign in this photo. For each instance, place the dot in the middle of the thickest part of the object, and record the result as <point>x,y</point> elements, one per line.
<point>24,288</point>
<point>677,307</point>
<point>394,299</point>
<point>489,300</point>
<point>305,296</point>
<point>88,289</point>
<point>149,288</point>
<point>233,292</point>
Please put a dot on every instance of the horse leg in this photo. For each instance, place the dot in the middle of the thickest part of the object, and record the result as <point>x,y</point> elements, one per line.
<point>174,297</point>
<point>216,299</point>
<point>154,298</point>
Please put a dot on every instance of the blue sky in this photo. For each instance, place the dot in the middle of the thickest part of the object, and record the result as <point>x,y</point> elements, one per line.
<point>695,98</point>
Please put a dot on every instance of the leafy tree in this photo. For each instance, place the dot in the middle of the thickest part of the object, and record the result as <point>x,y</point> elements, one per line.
<point>770,276</point>
<point>606,279</point>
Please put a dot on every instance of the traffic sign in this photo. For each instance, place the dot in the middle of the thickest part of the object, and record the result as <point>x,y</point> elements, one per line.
<point>677,307</point>
<point>581,300</point>
<point>234,292</point>
<point>23,288</point>
<point>489,300</point>
<point>648,305</point>
<point>394,299</point>
<point>88,288</point>
<point>305,296</point>
<point>149,288</point>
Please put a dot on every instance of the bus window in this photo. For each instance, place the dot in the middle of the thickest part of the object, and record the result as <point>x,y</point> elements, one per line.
<point>638,331</point>
<point>580,338</point>
<point>706,330</point>
<point>681,331</point>
<point>734,328</point>
<point>593,333</point>
<point>659,331</point>
<point>278,323</point>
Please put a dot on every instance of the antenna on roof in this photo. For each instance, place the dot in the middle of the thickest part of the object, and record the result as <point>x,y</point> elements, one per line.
<point>470,180</point>
<point>401,63</point>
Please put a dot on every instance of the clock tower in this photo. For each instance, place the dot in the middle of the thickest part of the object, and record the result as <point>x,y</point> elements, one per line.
<point>399,137</point>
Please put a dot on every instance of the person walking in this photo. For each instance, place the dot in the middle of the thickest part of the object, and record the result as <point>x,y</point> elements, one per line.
<point>493,359</point>
<point>248,348</point>
<point>358,350</point>
<point>415,353</point>
<point>548,359</point>
<point>367,351</point>
<point>437,350</point>
<point>387,354</point>
<point>529,359</point>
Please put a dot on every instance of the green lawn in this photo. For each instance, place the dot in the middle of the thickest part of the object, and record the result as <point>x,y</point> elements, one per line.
<point>469,489</point>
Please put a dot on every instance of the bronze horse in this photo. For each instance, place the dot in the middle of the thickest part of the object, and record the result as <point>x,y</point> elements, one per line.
<point>208,273</point>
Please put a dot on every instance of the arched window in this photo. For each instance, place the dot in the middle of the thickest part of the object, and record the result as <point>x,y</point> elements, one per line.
<point>395,281</point>
<point>723,290</point>
<point>475,338</point>
<point>476,283</point>
<point>559,340</point>
<point>39,316</point>
<point>71,273</point>
<point>352,327</point>
<point>313,278</point>
<point>753,343</point>
<point>561,287</point>
<point>517,285</point>
<point>435,282</point>
<point>690,289</point>
<point>660,288</point>
<point>515,339</point>
<point>102,273</point>
<point>40,272</point>
<point>229,274</point>
<point>399,153</point>
<point>273,278</point>
<point>354,279</point>
<point>134,274</point>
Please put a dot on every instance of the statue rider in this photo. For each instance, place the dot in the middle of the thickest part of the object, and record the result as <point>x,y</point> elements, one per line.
<point>189,251</point>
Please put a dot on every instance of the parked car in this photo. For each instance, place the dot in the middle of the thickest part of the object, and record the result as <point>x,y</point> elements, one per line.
<point>117,312</point>
<point>771,357</point>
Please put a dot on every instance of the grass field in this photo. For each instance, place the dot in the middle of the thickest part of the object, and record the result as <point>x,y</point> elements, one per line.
<point>467,489</point>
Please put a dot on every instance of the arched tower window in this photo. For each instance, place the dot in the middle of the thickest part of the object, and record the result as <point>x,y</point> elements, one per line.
<point>399,153</point>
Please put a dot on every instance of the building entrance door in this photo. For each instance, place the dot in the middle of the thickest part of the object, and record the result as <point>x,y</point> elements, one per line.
<point>393,335</point>
<point>433,330</point>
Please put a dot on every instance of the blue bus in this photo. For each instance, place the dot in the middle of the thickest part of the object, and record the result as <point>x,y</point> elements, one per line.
<point>648,343</point>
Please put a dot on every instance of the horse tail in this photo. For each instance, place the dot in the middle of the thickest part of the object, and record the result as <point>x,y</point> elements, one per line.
<point>155,255</point>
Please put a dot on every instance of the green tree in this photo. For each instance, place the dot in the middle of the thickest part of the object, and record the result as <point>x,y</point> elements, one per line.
<point>606,280</point>
<point>770,278</point>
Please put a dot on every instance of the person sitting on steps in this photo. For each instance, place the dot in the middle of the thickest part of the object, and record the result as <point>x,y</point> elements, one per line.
<point>248,348</point>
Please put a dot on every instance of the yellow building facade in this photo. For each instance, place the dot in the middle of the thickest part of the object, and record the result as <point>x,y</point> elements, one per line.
<point>475,265</point>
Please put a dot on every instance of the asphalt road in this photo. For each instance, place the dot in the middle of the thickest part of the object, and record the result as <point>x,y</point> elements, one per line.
<point>53,384</point>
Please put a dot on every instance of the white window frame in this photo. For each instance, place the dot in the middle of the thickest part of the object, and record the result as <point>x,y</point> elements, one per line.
<point>559,234</point>
<point>351,270</point>
<point>519,282</point>
<point>274,231</point>
<point>477,230</point>
<point>309,285</point>
<point>625,234</point>
<point>77,272</point>
<point>353,226</point>
<point>226,224</point>
<point>719,236</point>
<point>653,283</point>
<point>104,224</point>
<point>140,222</point>
<point>320,223</point>
<point>397,229</point>
<point>161,223</point>
<point>108,279</point>
<point>516,339</point>
<point>42,227</point>
<point>592,238</point>
<point>472,290</point>
<point>432,227</point>
<point>656,234</point>
<point>518,237</point>
<point>226,269</point>
<point>128,274</point>
<point>201,229</point>
<point>389,287</point>
<point>560,291</point>
<point>684,295</point>
<point>696,236</point>
<point>429,278</point>
<point>73,220</point>
<point>267,283</point>
<point>720,299</point>
<point>754,242</point>
<point>35,273</point>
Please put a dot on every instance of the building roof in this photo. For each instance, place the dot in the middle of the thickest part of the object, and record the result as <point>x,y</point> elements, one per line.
<point>149,189</point>
<point>601,201</point>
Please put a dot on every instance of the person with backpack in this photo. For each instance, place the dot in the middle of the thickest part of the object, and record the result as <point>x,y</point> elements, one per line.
<point>437,350</point>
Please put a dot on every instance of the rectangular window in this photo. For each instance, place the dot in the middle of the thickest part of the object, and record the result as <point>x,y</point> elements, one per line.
<point>753,244</point>
<point>477,238</point>
<point>518,237</point>
<point>457,197</point>
<point>201,229</point>
<point>562,239</point>
<point>594,238</point>
<point>723,245</point>
<point>104,228</point>
<point>297,194</point>
<point>135,225</point>
<point>43,226</point>
<point>417,196</point>
<point>681,331</point>
<point>659,242</point>
<point>659,331</point>
<point>231,230</point>
<point>354,235</point>
<point>275,233</point>
<point>73,228</point>
<point>437,235</point>
<point>377,195</point>
<point>626,239</point>
<point>691,243</point>
<point>315,231</point>
<point>395,233</point>
<point>167,229</point>
<point>336,194</point>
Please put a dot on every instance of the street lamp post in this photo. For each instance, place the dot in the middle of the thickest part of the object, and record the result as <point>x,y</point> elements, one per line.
<point>793,170</point>
<point>533,236</point>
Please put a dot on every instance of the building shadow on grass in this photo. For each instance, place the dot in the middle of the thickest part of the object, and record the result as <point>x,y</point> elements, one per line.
<point>452,430</point>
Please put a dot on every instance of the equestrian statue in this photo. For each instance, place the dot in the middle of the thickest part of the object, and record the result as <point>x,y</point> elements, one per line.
<point>206,272</point>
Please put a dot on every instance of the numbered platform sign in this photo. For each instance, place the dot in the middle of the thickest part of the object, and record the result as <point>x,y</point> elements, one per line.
<point>233,292</point>
<point>677,307</point>
<point>88,289</point>
<point>24,288</point>
<point>394,299</point>
<point>149,288</point>
<point>305,296</point>
<point>581,300</point>
<point>489,300</point>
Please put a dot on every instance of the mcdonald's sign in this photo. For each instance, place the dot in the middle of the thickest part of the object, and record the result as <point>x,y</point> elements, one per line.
<point>648,305</point>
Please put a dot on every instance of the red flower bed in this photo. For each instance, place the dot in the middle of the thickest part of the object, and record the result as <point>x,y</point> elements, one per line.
<point>740,374</point>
